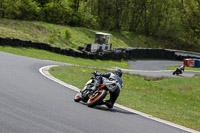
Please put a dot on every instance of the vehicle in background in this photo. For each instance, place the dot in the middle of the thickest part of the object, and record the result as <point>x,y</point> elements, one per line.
<point>102,43</point>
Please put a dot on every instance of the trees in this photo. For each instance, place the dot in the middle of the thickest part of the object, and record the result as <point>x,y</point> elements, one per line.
<point>177,21</point>
<point>19,9</point>
<point>3,6</point>
<point>192,22</point>
<point>56,12</point>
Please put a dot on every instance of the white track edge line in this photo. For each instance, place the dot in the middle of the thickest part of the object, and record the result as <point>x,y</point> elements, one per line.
<point>44,71</point>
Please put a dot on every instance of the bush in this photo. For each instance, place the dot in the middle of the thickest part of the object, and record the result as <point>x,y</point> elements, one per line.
<point>67,34</point>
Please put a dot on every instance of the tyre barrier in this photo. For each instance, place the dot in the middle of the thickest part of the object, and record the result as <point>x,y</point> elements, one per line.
<point>114,54</point>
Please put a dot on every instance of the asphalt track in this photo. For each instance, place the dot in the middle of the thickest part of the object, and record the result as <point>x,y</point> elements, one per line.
<point>31,103</point>
<point>156,68</point>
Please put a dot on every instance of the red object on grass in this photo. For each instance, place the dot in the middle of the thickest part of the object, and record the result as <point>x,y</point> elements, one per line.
<point>189,62</point>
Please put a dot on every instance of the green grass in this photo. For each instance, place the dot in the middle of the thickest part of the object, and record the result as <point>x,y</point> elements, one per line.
<point>186,68</point>
<point>45,55</point>
<point>55,35</point>
<point>173,99</point>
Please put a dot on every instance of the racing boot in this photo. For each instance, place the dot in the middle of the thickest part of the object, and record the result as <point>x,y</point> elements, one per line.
<point>109,104</point>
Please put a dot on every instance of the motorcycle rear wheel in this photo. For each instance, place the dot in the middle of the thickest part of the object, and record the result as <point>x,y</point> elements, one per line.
<point>94,100</point>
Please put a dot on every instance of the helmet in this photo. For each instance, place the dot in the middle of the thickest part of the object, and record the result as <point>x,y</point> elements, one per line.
<point>118,72</point>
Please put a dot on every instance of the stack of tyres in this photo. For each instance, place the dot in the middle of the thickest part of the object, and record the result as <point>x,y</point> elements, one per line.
<point>197,62</point>
<point>189,62</point>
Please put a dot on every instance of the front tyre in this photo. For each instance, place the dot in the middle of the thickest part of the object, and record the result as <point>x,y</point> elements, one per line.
<point>77,97</point>
<point>174,73</point>
<point>97,98</point>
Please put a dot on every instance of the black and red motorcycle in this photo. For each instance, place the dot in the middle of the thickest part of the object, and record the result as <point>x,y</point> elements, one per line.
<point>179,70</point>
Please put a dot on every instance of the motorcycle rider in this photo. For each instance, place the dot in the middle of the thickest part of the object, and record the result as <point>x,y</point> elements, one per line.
<point>116,75</point>
<point>179,70</point>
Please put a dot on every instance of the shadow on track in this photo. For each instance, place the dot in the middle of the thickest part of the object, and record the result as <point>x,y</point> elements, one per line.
<point>115,110</point>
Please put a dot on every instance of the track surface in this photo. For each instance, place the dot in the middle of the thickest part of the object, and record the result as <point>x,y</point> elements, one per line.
<point>31,103</point>
<point>156,68</point>
<point>152,65</point>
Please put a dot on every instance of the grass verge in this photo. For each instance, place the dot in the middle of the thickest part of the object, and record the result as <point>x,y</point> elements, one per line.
<point>55,35</point>
<point>45,55</point>
<point>173,99</point>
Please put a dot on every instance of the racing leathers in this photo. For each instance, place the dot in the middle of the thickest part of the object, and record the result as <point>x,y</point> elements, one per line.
<point>113,95</point>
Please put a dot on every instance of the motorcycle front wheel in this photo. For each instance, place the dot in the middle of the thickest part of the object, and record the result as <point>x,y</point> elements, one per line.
<point>174,73</point>
<point>96,98</point>
<point>77,97</point>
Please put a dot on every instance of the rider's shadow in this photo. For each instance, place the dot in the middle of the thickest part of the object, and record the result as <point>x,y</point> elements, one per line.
<point>179,75</point>
<point>115,110</point>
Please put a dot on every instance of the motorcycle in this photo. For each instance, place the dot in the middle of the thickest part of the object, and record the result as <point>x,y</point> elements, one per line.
<point>179,70</point>
<point>93,96</point>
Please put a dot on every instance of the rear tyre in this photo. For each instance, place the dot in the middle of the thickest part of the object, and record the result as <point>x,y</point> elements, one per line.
<point>77,97</point>
<point>95,100</point>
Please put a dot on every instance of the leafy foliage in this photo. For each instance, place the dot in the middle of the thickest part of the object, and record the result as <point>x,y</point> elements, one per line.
<point>174,21</point>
